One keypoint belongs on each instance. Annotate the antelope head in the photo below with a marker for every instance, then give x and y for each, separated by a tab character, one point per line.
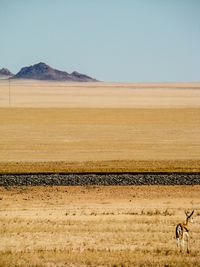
189	217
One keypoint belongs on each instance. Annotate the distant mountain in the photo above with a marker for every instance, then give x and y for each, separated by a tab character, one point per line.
5	72
41	71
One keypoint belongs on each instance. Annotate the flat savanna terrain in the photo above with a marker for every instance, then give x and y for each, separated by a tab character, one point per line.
49	126
97	226
98	127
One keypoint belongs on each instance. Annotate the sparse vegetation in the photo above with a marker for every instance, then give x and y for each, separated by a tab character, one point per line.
99	127
97	226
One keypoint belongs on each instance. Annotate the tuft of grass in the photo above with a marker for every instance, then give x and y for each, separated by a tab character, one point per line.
155	212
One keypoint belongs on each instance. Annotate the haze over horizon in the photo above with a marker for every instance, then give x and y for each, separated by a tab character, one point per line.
122	41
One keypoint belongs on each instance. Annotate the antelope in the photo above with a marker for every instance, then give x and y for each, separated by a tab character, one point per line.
182	232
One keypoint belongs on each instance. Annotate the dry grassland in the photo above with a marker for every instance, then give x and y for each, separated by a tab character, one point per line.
65	139
76	127
97	226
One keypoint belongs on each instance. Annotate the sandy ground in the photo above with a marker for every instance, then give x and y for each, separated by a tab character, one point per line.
97	226
25	93
99	127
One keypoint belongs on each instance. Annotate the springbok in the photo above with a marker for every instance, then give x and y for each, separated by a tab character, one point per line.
182	232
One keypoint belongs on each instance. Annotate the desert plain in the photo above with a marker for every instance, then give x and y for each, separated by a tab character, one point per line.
98	127
59	126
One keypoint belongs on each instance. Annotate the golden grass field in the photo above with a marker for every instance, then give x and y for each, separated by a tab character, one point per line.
61	127
52	126
97	226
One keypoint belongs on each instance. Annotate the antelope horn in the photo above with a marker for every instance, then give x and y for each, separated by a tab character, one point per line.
191	214
186	213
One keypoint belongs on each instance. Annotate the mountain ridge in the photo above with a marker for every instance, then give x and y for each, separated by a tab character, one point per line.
42	71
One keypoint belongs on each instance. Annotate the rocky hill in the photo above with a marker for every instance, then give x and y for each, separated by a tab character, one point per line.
5	72
41	71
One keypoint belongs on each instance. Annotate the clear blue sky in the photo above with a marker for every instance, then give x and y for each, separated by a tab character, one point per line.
112	40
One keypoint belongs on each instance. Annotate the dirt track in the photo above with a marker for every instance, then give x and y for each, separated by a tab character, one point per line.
101	179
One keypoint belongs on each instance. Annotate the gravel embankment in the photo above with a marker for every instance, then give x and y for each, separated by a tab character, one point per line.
100	179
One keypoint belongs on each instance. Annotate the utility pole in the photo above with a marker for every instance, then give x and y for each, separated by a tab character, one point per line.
9	93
